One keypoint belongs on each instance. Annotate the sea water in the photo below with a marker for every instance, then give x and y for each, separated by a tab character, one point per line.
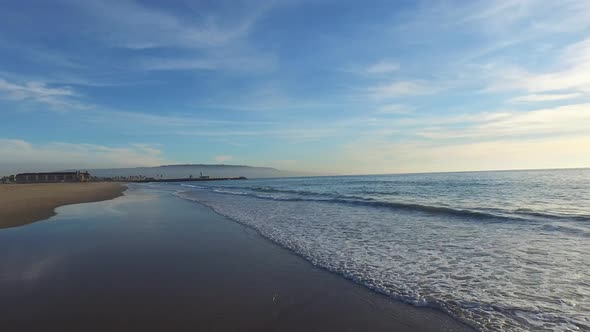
501	251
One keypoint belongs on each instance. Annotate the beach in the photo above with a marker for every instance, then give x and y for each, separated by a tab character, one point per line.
150	261
461	242
21	204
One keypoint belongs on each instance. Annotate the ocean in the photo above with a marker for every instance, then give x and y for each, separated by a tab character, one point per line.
500	251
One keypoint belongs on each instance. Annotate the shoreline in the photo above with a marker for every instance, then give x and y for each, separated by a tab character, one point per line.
22	204
450	322
172	264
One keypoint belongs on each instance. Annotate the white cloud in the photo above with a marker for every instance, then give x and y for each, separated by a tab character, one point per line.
223	158
19	156
570	74
541	138
212	38
394	109
140	26
32	90
523	19
533	98
539	16
390	157
383	67
401	89
563	120
57	98
516	39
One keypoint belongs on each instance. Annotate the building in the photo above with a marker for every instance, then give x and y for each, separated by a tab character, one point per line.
52	177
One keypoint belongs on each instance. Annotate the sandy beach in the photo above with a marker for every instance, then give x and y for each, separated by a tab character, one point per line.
154	262
21	204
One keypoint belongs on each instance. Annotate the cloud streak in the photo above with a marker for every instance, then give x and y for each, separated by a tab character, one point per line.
535	98
382	67
19	156
57	98
143	27
401	89
374	156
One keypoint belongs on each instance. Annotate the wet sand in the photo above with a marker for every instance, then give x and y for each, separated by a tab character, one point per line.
21	204
154	262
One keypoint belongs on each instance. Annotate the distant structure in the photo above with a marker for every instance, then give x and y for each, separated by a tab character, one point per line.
53	177
203	176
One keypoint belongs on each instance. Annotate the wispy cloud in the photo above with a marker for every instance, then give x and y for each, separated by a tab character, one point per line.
562	120
244	72
141	26
57	98
128	37
515	43
20	155
548	137
186	125
215	41
401	89
532	17
383	67
569	74
35	90
382	156
394	109
535	98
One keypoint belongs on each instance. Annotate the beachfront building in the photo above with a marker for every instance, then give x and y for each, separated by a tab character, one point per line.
52	177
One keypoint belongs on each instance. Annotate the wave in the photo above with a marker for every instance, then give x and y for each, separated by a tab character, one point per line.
351	200
401	296
194	186
485	310
578	217
331	197
315	193
302	192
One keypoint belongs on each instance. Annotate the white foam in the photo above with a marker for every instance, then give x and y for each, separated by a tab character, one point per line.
495	276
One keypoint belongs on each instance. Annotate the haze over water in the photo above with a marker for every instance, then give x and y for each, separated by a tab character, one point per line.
498	250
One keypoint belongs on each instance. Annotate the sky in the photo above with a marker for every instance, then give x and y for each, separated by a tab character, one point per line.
335	87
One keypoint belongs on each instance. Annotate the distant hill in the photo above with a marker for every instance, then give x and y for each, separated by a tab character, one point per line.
184	171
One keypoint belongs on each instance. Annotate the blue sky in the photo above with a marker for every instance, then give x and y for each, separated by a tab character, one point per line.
323	86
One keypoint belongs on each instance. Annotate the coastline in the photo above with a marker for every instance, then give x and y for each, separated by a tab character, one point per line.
22	204
155	262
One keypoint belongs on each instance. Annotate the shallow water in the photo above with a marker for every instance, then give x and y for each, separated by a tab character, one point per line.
150	261
498	250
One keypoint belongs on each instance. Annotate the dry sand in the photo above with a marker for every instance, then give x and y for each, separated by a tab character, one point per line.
21	204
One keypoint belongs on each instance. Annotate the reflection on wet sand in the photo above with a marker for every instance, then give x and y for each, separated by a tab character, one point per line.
150	261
